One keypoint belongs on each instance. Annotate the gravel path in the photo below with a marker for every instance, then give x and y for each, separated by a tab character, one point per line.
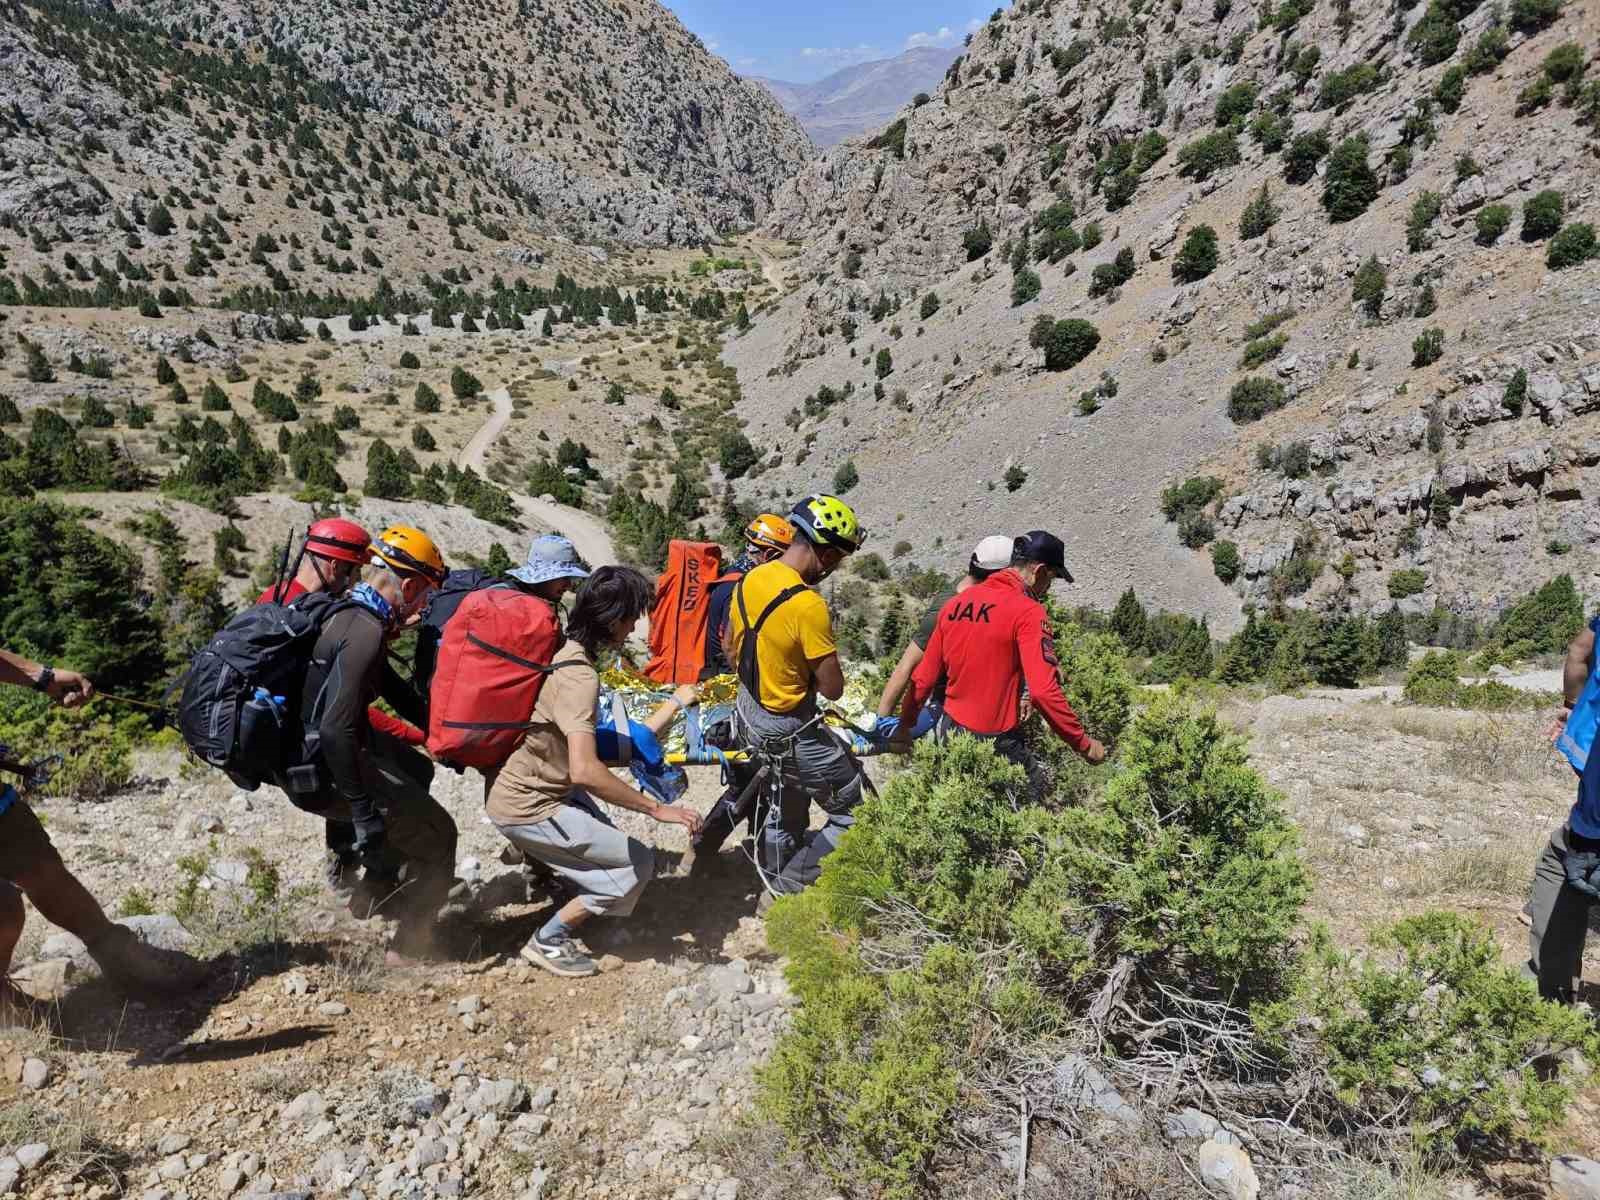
588	533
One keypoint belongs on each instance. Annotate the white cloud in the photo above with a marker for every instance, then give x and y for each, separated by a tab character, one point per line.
713	46
944	36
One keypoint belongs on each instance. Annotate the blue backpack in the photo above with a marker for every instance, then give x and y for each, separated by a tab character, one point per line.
1578	736
624	742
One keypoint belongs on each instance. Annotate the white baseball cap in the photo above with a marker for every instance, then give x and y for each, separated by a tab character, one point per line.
993	553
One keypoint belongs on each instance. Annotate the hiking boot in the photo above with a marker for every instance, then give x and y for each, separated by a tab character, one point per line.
342	872
137	966
559	958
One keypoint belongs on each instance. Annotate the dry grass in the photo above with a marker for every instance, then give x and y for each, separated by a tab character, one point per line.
78	1149
357	967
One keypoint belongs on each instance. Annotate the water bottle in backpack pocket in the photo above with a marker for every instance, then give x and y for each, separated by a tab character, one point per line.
260	745
239	710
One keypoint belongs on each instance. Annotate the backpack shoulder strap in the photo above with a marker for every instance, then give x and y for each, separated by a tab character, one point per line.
749	663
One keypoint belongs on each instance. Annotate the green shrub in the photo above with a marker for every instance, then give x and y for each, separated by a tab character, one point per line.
1235	103
426	400
1206	155
1407	582
1489	52
1260	215
883	365
1515	397
1430	1026
1024	287
892	139
977	241
1091	235
1492	221
1198	257
1451	89
464	385
1424	209
1304	153
735	454
1371	283
1271	130
409	361
1539	93
1195	529
1542	215
1191	495
1546	620
1427	347
930	305
1263	350
1565	63
1065	343
845	477
1530	16
1340	87
1349	184
1225	560
1255	397
1113	274
1573	245
96	748
1436	36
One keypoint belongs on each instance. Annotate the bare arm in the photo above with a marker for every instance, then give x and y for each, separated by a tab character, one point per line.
593	776
658	721
829	676
899	679
1580	659
67	688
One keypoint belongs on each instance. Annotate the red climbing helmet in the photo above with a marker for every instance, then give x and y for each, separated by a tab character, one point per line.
338	539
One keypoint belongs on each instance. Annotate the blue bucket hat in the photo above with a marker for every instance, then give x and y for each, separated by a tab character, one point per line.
551	557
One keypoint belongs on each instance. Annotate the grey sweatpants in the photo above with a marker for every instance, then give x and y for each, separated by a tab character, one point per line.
1559	917
814	766
580	844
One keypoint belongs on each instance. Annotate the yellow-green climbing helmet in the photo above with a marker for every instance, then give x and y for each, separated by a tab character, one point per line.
829	521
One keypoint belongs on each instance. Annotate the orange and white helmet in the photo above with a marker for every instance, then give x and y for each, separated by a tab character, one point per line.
770	532
410	552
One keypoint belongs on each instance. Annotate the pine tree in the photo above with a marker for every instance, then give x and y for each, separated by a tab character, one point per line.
1260	215
498	562
164	373
892	631
1129	622
1393	646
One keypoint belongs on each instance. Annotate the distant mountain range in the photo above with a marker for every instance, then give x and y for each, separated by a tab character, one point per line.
861	98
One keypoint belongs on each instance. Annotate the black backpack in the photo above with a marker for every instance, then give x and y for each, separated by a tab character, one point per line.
240	706
442	605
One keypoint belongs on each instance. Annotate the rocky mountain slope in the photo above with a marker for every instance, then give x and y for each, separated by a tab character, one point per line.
1084	144
861	97
607	122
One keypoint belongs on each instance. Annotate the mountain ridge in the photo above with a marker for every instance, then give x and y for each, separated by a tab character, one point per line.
1060	119
860	97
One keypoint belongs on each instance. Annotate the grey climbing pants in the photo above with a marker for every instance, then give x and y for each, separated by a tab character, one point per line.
1559	917
813	765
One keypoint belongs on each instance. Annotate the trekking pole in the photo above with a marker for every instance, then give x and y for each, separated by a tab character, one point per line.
33	775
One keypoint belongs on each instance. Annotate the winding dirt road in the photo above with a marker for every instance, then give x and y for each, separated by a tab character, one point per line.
588	532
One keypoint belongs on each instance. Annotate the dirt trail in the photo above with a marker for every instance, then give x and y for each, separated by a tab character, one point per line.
588	533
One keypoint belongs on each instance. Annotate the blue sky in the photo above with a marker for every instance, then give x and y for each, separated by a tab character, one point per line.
803	40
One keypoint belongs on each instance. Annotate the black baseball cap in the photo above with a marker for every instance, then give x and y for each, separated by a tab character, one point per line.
1039	546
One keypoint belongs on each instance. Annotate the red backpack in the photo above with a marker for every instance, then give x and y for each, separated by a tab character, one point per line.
678	616
492	661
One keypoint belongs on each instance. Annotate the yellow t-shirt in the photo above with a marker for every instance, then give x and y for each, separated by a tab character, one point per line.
795	636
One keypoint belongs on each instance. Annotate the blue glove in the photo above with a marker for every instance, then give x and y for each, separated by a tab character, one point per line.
886	728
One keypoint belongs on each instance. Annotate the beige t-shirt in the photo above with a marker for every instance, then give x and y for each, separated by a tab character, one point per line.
536	780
